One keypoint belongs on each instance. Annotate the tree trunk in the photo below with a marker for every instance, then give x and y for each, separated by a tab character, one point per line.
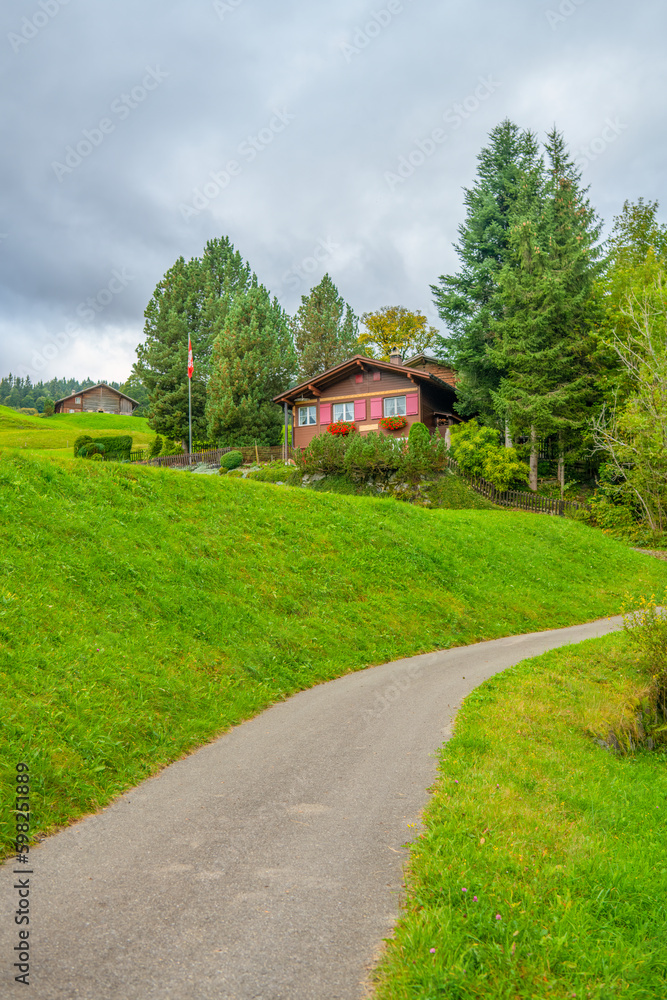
561	464
532	479
508	436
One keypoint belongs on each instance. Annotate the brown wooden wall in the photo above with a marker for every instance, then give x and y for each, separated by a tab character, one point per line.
390	383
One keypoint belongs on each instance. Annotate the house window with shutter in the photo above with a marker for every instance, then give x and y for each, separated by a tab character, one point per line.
307	416
343	411
395	406
377	376
359	378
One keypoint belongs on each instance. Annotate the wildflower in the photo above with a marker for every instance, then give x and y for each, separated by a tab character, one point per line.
474	899
464	889
498	917
432	950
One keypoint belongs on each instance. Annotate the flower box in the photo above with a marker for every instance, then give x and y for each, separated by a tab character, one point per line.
393	423
342	427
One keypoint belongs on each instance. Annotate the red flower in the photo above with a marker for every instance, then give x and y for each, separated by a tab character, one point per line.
342	427
393	423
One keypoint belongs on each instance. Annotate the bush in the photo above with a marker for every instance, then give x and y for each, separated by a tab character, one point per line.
49	408
231	460
419	434
425	453
372	455
324	454
156	446
81	444
275	472
30	411
479	453
503	469
647	627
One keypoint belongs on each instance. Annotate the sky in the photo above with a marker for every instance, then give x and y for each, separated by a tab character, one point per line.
320	138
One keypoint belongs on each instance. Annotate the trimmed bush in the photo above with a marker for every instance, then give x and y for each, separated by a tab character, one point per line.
118	446
81	444
419	434
231	460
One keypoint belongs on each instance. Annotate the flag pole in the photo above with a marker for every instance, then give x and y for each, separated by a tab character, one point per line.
190	370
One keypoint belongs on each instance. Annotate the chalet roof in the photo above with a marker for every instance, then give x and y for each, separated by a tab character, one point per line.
332	375
100	385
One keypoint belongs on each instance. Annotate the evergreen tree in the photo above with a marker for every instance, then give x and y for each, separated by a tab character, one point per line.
190	301
469	301
253	360
325	330
542	338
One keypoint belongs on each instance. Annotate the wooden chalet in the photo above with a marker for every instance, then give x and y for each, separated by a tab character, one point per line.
99	398
364	390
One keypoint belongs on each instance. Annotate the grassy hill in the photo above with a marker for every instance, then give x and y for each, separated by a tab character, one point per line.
57	433
143	611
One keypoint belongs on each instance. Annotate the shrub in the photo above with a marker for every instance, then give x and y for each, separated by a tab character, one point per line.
503	469
81	444
30	411
156	446
372	455
231	460
419	432
324	454
49	407
647	627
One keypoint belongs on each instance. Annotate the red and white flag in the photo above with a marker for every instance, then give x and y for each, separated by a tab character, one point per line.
191	366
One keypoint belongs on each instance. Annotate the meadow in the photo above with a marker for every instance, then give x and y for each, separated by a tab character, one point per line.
541	872
56	434
144	611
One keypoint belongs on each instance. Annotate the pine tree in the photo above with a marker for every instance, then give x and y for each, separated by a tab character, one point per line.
469	301
542	340
253	360
325	330
190	301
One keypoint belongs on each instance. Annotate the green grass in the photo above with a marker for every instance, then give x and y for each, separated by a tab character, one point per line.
542	871
143	611
447	491
57	433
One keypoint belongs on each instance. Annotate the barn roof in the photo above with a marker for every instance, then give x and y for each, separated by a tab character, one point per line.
100	385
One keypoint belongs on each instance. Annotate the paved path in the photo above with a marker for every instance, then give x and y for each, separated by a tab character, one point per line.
267	865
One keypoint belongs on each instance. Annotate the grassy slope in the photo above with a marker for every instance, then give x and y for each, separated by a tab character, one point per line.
542	871
142	611
20	430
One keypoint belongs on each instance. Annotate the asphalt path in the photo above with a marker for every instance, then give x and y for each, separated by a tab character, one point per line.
266	865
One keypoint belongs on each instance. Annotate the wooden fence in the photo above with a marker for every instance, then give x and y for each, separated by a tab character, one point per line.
251	453
517	499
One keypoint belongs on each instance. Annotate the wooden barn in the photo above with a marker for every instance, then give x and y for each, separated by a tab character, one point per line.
97	399
365	391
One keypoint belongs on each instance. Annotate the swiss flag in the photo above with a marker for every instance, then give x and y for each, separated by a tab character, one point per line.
191	366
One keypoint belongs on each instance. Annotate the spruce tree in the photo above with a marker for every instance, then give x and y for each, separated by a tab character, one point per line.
325	330
542	338
469	301
190	301
253	360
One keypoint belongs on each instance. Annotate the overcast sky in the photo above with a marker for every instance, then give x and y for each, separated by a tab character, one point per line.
134	132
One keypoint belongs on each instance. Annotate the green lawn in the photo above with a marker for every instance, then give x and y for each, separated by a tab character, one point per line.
57	433
142	610
542	872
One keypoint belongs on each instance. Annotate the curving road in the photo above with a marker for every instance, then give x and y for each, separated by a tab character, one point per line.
268	864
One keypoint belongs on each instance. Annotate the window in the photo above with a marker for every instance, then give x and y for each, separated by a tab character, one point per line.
343	411
377	376
307	416
78	399
395	406
359	378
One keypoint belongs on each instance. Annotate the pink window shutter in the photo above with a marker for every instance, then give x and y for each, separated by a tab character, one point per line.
325	413
412	404
360	409
376	409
